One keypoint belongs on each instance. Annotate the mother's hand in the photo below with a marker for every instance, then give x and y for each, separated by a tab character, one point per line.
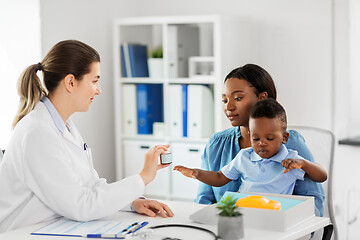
151	208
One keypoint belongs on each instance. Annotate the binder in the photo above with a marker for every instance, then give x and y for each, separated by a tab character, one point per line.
176	110
183	42
149	101
200	111
184	92
129	109
134	60
138	60
125	62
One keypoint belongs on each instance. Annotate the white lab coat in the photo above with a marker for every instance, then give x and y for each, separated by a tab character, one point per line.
46	174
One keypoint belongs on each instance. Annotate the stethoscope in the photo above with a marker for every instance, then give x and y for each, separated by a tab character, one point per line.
147	233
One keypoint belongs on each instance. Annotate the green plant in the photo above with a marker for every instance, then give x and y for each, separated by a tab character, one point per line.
156	52
227	207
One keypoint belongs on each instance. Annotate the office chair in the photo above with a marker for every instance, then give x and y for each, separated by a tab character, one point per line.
321	143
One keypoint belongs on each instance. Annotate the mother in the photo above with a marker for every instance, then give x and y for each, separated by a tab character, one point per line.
243	87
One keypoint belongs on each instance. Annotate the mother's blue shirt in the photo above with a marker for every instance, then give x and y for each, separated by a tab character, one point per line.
222	149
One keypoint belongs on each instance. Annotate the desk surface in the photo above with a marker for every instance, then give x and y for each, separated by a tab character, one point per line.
182	210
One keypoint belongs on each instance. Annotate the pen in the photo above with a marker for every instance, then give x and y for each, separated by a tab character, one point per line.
110	236
127	229
133	227
143	224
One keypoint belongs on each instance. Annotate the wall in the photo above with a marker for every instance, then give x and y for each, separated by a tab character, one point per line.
291	39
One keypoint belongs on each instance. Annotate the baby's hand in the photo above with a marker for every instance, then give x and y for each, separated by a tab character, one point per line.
290	163
188	172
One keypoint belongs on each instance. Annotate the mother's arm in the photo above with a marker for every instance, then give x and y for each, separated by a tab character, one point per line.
205	193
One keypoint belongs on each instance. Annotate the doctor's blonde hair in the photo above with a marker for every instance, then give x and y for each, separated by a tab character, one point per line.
66	57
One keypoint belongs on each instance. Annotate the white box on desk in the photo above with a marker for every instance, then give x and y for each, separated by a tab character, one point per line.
264	219
282	220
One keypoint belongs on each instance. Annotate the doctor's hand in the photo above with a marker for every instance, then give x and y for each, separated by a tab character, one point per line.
151	164
151	208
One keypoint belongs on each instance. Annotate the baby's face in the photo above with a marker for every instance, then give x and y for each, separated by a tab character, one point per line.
267	135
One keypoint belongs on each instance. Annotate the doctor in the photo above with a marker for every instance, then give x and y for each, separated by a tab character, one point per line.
47	170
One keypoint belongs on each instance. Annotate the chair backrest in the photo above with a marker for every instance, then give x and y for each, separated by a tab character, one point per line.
321	143
1	155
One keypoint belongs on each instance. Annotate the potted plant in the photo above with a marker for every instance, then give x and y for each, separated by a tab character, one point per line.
230	223
155	63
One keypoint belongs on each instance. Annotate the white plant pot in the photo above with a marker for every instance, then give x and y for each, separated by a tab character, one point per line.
231	228
156	67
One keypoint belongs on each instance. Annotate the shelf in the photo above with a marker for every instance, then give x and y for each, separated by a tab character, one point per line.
197	80
194	80
164	139
198	53
141	80
143	137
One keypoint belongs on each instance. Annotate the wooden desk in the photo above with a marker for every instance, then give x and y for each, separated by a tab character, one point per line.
182	210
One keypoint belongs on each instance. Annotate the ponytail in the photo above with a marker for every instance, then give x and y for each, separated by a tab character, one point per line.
30	91
65	57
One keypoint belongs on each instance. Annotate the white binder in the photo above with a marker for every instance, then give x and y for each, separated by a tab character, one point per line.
183	42
129	109
200	111
176	121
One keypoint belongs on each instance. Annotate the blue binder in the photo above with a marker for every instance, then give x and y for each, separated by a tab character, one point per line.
149	101
138	60
134	55
184	99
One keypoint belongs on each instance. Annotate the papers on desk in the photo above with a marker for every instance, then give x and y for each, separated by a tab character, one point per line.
66	227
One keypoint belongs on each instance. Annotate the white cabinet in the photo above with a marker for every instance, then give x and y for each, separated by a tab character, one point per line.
188	155
168	184
134	152
198	52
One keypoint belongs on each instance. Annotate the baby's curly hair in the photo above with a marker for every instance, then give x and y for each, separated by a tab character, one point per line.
269	108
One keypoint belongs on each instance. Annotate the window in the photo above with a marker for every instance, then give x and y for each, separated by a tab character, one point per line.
19	48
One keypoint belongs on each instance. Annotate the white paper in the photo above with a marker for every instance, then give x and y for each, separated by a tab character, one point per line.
66	227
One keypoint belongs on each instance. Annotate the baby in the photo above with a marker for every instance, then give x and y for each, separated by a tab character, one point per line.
267	166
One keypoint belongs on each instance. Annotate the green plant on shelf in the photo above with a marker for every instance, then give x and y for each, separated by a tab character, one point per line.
227	207
156	52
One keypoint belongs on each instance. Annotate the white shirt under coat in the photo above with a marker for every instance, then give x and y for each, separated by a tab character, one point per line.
46	173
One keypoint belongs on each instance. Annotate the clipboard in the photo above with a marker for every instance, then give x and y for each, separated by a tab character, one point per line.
70	228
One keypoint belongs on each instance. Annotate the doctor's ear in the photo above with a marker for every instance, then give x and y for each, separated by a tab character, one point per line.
69	82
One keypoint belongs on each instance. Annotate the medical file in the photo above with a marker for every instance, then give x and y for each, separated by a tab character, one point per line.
149	102
134	60
70	228
129	111
200	111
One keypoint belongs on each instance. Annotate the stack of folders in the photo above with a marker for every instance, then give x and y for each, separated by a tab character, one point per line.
142	106
134	60
191	111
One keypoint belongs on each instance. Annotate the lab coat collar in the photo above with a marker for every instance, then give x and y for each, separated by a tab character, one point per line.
59	123
73	136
